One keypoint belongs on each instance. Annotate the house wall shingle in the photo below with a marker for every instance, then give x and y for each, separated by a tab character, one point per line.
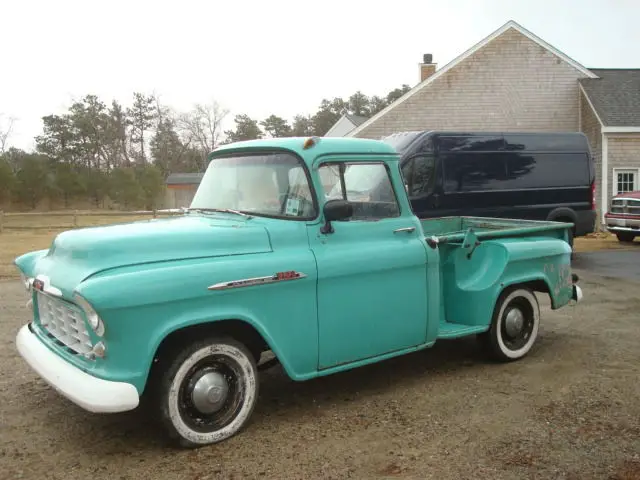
624	152
510	84
592	129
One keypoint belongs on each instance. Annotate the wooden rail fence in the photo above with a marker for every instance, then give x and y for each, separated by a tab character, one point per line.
4	216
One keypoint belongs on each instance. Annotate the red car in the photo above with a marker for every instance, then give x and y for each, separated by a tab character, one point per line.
623	218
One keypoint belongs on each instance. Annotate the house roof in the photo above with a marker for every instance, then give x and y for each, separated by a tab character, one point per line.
615	96
507	26
357	120
184	178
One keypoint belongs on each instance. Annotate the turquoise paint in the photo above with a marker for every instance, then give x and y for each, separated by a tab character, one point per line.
369	293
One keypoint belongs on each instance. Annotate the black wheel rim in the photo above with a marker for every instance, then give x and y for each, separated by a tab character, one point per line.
515	338
210	422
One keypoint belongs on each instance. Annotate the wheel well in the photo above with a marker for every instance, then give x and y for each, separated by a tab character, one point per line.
539	286
237	329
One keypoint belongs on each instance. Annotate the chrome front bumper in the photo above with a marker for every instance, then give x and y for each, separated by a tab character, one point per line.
621	224
89	392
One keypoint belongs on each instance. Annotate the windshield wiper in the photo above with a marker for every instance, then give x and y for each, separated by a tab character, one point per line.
222	210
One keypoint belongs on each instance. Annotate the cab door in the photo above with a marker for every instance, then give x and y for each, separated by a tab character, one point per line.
372	269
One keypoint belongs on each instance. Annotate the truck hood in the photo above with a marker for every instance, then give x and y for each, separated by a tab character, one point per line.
77	254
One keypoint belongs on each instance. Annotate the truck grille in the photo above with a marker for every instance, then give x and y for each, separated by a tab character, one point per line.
64	322
625	206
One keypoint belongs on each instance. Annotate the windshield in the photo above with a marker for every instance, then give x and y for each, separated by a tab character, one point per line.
273	185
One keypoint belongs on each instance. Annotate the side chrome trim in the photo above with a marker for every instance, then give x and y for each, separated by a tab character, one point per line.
247	282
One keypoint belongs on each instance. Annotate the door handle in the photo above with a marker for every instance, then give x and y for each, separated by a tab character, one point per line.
406	229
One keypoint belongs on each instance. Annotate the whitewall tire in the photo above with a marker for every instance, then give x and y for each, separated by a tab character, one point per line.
208	392
514	326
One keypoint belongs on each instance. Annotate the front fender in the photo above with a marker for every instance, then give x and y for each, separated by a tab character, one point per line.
193	319
140	306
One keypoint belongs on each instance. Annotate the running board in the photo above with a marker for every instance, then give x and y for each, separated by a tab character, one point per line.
457	330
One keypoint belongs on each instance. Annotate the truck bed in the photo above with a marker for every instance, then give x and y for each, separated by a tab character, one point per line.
454	229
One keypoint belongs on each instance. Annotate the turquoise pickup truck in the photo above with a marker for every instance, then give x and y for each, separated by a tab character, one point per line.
278	259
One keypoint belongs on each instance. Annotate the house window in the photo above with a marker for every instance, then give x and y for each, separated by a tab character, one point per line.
625	180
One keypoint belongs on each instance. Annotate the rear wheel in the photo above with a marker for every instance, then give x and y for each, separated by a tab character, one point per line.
625	237
208	392
514	326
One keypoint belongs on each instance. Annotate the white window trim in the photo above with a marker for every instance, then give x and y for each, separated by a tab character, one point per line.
614	180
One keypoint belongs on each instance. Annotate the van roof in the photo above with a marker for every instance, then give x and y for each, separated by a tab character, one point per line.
407	142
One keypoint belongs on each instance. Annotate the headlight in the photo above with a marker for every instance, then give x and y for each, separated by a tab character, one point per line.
95	322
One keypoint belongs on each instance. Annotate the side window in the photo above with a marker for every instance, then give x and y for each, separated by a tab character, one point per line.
468	172
539	170
423	177
367	186
407	174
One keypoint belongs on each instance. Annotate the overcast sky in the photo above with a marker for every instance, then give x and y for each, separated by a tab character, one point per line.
263	57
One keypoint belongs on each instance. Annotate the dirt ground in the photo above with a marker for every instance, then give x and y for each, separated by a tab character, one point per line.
569	410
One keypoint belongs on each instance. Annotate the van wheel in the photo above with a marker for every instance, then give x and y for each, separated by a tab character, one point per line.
208	392
514	325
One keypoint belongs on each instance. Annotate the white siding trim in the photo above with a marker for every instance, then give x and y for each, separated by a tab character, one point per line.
579	108
509	25
621	129
595	112
614	180
342	121
604	201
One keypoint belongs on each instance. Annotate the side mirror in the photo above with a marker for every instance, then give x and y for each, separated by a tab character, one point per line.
335	210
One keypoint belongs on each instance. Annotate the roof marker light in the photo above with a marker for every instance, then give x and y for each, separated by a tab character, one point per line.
310	142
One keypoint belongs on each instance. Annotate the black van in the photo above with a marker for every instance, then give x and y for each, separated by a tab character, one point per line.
537	176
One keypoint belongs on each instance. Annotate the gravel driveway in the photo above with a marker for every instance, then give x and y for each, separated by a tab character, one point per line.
571	409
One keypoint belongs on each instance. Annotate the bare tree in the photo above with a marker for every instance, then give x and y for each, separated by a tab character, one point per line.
5	132
201	127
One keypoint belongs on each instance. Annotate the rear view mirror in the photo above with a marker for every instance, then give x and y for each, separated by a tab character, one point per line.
335	210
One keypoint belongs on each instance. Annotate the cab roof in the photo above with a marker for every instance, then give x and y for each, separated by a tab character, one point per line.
319	146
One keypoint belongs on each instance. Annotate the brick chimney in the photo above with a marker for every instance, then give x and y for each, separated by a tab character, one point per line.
427	67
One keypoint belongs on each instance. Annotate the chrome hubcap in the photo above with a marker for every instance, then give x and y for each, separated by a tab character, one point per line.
514	321
210	392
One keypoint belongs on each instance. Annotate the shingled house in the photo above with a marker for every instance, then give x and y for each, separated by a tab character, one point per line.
513	80
345	124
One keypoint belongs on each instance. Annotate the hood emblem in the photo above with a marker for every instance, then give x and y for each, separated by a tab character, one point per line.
247	282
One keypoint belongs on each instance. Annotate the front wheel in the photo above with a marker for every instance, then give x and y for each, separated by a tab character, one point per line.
514	326
208	392
625	237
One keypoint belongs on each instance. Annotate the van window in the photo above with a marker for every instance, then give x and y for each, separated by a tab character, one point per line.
419	174
473	171
542	170
471	143
540	142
